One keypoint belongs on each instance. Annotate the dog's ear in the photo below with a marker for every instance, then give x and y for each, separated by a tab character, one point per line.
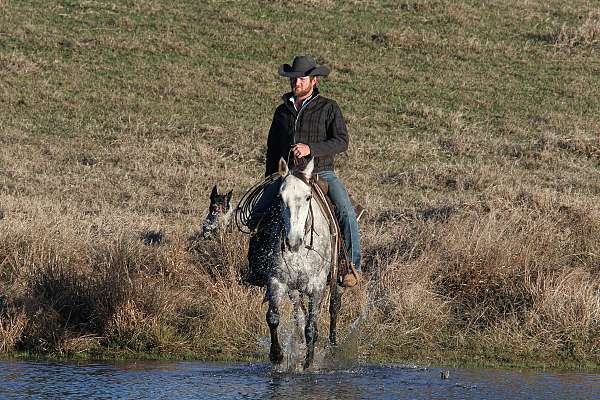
228	196
307	171
213	194
283	167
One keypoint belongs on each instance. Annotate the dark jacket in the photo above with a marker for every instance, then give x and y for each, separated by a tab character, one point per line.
319	124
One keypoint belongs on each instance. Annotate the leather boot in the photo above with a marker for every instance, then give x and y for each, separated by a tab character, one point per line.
352	277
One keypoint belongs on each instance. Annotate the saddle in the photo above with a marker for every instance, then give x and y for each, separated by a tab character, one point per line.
324	186
340	259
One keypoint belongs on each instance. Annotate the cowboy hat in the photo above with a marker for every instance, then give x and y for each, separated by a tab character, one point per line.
303	66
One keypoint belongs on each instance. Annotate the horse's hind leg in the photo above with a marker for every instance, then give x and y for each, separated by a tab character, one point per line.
274	294
311	332
335	302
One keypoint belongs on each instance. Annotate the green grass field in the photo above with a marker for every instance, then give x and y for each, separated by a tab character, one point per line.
475	148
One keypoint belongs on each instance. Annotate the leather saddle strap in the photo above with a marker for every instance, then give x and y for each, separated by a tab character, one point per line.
333	228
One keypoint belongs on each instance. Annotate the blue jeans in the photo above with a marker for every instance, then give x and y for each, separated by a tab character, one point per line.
345	213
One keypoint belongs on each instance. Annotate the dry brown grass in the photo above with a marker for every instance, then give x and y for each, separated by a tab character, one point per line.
12	325
587	34
508	278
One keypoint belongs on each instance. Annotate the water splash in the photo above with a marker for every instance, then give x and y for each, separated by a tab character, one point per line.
291	336
345	356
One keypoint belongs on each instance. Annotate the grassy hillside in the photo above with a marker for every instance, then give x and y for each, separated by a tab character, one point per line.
474	146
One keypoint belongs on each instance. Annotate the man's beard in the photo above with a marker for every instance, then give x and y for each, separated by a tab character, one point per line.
299	93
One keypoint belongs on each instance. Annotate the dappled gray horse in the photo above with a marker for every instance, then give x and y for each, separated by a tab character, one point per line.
296	255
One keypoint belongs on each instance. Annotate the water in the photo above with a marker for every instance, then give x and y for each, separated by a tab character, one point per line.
196	380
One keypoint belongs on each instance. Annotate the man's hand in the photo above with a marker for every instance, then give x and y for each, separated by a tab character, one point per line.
300	150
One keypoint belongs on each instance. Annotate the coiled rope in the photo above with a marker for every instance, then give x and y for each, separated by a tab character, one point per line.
243	211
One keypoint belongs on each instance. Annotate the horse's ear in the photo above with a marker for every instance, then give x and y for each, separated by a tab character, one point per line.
308	170
213	194
283	167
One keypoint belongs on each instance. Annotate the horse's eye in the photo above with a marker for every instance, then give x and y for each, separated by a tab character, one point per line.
308	197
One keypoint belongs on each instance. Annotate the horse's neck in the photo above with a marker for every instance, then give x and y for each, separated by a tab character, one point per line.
319	216
323	205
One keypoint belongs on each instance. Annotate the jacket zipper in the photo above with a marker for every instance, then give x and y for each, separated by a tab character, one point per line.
298	116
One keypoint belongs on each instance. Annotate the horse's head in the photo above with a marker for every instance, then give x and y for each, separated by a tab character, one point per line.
219	213
295	194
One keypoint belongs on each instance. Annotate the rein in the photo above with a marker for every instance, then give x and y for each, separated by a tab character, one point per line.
334	230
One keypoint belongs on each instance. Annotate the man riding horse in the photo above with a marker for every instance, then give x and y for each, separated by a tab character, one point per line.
307	124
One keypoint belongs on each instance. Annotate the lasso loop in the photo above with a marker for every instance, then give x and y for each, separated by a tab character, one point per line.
243	211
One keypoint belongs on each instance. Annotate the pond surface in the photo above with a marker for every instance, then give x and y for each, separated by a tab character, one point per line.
197	380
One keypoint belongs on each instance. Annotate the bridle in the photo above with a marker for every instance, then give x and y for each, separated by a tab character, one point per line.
318	195
309	224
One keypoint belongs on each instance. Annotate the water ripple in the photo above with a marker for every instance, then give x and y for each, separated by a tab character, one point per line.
196	380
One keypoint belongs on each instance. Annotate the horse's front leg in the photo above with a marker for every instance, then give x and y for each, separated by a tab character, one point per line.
335	302
299	313
274	294
311	332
